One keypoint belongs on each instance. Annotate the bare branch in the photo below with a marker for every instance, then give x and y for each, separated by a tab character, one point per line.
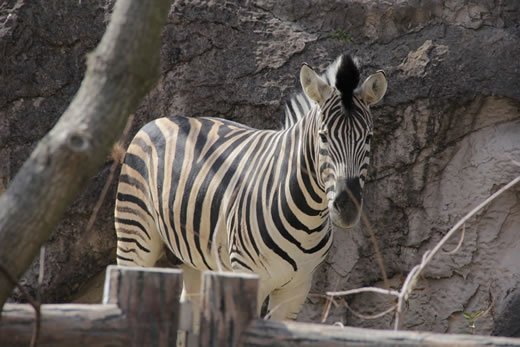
412	277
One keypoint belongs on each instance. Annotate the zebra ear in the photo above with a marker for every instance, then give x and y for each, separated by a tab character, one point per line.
314	87
374	88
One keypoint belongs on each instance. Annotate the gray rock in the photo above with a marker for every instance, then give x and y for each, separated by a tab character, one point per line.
446	134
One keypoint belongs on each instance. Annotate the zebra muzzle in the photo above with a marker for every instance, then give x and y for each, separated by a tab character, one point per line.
346	206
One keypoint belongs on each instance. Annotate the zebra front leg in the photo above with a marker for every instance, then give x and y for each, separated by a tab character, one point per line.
191	292
286	302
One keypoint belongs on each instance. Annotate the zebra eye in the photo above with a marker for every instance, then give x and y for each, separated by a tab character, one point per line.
323	135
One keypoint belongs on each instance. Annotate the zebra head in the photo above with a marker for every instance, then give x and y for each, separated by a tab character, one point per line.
342	135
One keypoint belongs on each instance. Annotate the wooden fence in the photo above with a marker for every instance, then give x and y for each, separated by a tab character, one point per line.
141	308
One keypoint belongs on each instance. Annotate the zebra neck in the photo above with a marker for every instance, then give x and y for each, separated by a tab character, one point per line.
309	152
307	190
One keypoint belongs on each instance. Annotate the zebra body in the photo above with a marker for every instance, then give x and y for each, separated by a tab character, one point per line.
223	196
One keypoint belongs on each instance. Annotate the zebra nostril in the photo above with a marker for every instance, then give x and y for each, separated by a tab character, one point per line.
341	201
348	196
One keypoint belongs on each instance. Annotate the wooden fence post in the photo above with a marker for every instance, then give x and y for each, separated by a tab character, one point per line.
149	297
229	304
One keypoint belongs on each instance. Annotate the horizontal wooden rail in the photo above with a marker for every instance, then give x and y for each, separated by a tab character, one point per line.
64	325
262	333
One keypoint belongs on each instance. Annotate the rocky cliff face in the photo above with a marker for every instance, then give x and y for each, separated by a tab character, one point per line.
446	134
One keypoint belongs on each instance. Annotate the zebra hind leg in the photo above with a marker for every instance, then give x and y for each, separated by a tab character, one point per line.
134	246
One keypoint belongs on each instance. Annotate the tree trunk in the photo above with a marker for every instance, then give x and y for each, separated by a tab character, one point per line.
120	72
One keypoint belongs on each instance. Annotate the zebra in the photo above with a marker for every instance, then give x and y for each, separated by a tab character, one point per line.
223	196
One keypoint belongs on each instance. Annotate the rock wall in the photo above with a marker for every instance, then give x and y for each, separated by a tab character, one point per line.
446	135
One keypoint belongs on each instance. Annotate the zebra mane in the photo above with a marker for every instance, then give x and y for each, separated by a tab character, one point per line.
347	79
342	73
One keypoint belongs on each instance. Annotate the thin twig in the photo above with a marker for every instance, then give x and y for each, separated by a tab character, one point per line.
110	178
34	303
41	273
42	266
323	296
326	310
318	295
374	316
329	301
460	242
379	257
490	306
365	290
372	235
412	277
403	296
